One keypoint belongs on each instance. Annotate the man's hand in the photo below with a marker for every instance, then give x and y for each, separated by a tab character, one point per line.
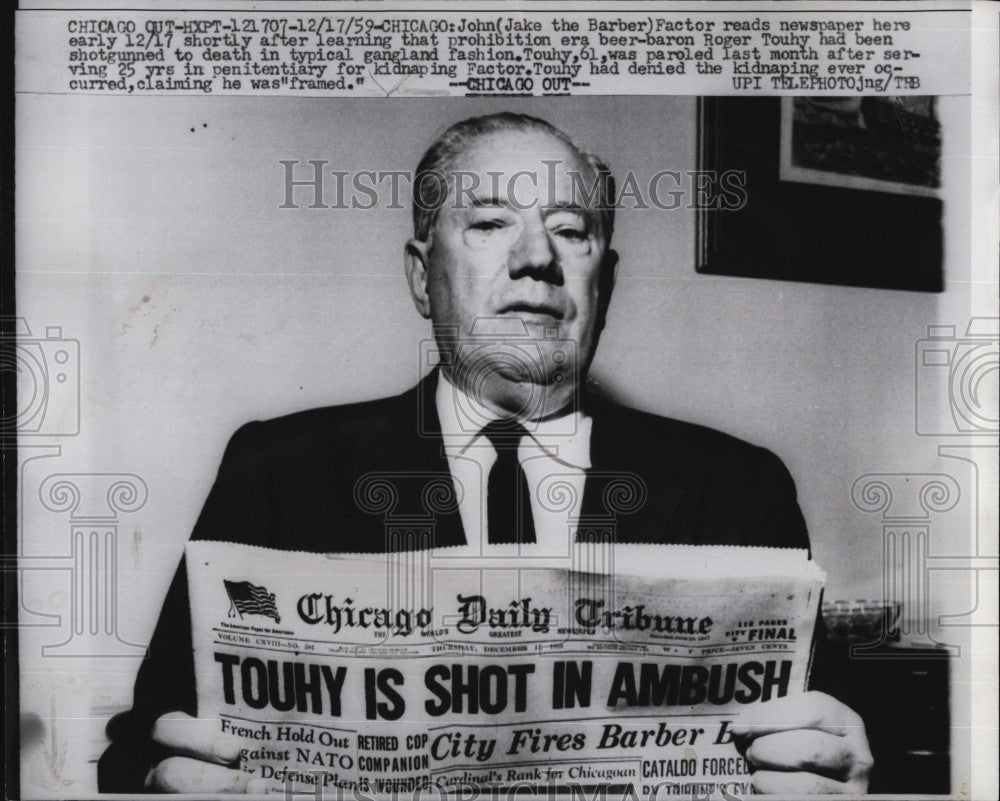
809	743
205	762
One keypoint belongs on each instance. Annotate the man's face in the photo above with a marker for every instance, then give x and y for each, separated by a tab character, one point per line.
516	264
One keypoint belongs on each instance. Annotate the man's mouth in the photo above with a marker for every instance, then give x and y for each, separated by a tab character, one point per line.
531	311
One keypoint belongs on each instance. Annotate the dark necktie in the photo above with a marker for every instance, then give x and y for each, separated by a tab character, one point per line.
508	504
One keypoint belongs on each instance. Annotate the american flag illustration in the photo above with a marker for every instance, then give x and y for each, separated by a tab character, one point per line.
249	599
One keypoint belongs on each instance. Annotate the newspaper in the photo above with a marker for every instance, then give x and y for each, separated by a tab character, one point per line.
359	671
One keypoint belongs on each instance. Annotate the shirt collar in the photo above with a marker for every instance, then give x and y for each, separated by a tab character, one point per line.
565	438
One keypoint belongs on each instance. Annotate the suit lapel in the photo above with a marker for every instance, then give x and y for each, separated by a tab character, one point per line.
634	481
422	430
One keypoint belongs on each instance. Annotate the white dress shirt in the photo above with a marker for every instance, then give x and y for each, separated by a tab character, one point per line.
554	456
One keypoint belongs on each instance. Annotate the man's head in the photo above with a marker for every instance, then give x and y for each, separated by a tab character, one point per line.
511	260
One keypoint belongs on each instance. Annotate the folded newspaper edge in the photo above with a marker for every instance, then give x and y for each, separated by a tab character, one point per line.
674	561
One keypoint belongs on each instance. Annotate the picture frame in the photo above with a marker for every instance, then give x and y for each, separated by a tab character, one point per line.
799	224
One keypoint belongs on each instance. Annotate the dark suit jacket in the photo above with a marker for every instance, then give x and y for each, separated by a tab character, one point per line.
293	483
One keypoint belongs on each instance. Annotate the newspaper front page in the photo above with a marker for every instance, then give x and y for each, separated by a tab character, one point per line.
372	673
214	222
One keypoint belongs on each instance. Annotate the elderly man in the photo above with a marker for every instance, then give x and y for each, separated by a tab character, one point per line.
511	261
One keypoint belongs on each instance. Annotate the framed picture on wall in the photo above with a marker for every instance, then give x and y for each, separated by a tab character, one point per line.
836	190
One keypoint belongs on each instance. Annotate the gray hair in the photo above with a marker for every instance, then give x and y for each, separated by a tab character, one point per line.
430	184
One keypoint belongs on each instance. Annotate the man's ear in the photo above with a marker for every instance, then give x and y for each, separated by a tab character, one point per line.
609	274
415	261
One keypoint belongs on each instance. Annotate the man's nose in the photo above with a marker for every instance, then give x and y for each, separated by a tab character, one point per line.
533	254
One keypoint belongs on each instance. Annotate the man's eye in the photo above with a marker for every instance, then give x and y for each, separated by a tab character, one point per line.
487	225
572	234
